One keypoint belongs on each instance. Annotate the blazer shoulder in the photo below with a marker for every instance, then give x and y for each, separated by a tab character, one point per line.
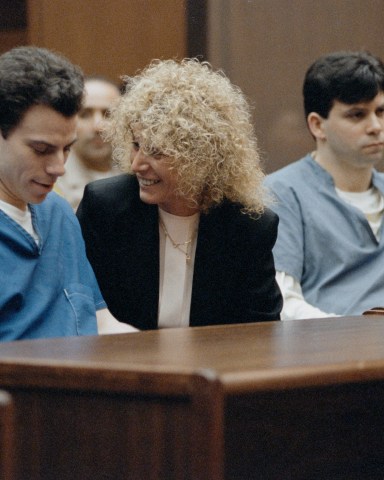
261	230
237	227
113	192
233	212
263	226
269	217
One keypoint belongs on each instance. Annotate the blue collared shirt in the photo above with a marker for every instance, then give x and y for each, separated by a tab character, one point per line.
49	289
324	242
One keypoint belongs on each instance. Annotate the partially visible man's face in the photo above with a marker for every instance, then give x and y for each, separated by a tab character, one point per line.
33	155
355	133
90	147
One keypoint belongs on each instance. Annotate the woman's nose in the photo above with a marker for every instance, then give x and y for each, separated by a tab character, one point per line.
138	160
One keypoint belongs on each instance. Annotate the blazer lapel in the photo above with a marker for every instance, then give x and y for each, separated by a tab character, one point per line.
143	251
209	267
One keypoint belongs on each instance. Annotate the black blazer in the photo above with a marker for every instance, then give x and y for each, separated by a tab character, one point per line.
234	273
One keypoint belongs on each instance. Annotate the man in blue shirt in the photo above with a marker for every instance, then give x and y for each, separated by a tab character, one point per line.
329	253
47	286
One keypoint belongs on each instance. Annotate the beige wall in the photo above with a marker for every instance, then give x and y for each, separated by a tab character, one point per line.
265	46
109	37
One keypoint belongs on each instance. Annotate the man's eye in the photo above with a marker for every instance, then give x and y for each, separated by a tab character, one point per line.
40	150
86	113
356	115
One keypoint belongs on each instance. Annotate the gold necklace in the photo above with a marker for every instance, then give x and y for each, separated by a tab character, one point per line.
186	245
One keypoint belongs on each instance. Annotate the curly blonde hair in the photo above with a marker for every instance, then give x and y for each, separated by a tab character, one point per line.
202	122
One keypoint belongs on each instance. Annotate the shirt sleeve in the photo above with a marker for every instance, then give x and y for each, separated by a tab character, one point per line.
295	307
108	324
288	251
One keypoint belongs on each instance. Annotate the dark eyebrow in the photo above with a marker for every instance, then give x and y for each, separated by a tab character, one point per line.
73	141
50	145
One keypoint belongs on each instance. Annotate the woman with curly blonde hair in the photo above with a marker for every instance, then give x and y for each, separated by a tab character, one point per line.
183	237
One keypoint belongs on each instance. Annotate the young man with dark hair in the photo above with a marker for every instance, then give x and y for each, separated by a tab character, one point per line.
329	253
47	286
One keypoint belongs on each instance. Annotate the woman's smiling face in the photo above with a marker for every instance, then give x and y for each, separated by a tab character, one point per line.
158	182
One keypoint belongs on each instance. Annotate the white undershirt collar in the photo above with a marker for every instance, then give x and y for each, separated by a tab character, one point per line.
22	217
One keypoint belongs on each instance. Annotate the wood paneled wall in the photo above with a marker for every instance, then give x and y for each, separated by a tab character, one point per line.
12	38
13	24
109	37
266	46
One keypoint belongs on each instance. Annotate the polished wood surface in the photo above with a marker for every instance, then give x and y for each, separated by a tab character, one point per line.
278	400
7	447
270	355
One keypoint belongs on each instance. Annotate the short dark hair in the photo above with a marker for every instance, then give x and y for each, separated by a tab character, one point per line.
37	76
349	77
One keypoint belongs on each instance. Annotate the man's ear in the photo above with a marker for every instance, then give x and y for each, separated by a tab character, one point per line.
316	125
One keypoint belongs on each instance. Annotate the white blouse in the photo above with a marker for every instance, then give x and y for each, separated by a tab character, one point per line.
176	271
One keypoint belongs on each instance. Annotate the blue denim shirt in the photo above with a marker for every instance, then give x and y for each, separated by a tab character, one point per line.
46	290
324	242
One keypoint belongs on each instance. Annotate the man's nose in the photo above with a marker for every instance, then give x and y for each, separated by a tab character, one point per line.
98	120
56	164
376	124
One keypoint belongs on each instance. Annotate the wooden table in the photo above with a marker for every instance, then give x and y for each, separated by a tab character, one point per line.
279	400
